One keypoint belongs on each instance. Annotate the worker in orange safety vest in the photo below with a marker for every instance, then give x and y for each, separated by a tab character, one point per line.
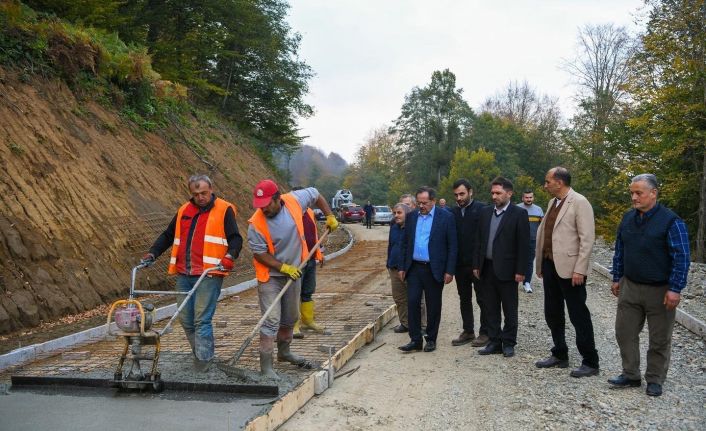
202	235
277	240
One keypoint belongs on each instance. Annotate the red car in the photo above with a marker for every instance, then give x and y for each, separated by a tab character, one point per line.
351	213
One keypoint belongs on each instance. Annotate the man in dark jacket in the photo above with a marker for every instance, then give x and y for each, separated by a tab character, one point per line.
369	214
429	248
500	262
394	262
466	214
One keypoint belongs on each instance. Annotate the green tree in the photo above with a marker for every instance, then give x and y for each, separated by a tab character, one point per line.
240	56
433	122
669	86
327	186
504	139
478	167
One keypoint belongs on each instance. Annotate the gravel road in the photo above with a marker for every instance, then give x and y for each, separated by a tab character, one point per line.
454	388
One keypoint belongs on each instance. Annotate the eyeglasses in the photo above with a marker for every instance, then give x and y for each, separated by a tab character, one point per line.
423	204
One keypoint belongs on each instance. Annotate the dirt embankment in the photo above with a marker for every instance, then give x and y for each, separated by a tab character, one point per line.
83	193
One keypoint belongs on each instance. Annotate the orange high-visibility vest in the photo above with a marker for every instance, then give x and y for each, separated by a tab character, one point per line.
215	243
317	255
259	222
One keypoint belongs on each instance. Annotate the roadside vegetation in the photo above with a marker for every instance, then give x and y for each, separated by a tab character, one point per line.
640	107
233	60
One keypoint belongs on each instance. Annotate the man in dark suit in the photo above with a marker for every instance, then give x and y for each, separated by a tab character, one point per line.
429	247
466	214
500	263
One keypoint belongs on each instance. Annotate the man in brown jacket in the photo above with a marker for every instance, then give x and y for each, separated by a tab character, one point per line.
564	243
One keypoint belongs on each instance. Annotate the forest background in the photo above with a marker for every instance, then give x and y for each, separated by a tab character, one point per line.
640	100
640	107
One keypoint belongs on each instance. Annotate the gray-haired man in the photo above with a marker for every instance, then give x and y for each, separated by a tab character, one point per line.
650	268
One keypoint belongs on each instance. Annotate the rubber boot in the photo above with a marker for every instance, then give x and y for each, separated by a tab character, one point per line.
308	322
266	349
284	340
285	355
297	330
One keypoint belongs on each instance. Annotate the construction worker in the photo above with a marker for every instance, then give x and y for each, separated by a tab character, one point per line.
306	316
206	235
277	240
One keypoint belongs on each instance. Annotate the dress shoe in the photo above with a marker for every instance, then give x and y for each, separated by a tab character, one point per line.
623	382
430	346
493	348
411	347
508	351
480	341
464	338
552	361
584	371
400	329
654	389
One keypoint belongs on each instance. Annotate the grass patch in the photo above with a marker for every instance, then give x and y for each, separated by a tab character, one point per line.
15	148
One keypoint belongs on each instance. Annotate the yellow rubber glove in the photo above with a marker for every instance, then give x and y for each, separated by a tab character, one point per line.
331	222
292	271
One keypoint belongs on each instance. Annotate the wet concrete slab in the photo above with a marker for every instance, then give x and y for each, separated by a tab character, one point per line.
351	293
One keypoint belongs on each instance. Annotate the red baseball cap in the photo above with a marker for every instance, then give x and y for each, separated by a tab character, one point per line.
263	192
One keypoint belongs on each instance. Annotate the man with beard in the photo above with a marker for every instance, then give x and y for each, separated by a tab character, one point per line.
500	263
466	214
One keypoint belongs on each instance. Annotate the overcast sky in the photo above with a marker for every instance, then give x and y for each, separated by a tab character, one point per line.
368	54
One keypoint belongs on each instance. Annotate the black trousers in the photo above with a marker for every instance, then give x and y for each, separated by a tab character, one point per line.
368	221
421	281
466	283
499	295
558	291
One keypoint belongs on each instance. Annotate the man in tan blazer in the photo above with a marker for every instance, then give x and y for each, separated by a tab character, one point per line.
564	243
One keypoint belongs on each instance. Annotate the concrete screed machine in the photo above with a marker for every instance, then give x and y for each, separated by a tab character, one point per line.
134	321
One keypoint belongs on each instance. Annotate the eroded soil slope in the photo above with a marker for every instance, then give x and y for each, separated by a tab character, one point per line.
83	193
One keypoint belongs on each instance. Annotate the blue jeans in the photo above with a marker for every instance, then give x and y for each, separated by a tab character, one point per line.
308	280
196	316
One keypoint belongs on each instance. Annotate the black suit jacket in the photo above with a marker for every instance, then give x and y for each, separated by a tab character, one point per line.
511	244
443	246
467	231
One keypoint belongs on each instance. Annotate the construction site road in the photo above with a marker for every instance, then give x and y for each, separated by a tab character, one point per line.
352	293
454	388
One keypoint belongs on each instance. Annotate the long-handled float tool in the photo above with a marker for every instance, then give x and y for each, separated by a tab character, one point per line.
229	367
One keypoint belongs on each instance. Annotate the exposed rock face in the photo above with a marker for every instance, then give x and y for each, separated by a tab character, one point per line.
83	194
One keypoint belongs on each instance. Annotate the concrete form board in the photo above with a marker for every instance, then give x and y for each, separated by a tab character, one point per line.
685	319
289	404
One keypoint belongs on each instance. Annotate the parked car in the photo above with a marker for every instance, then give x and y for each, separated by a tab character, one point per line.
351	213
318	214
383	215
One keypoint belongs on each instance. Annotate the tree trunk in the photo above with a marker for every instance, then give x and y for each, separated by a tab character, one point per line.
700	252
